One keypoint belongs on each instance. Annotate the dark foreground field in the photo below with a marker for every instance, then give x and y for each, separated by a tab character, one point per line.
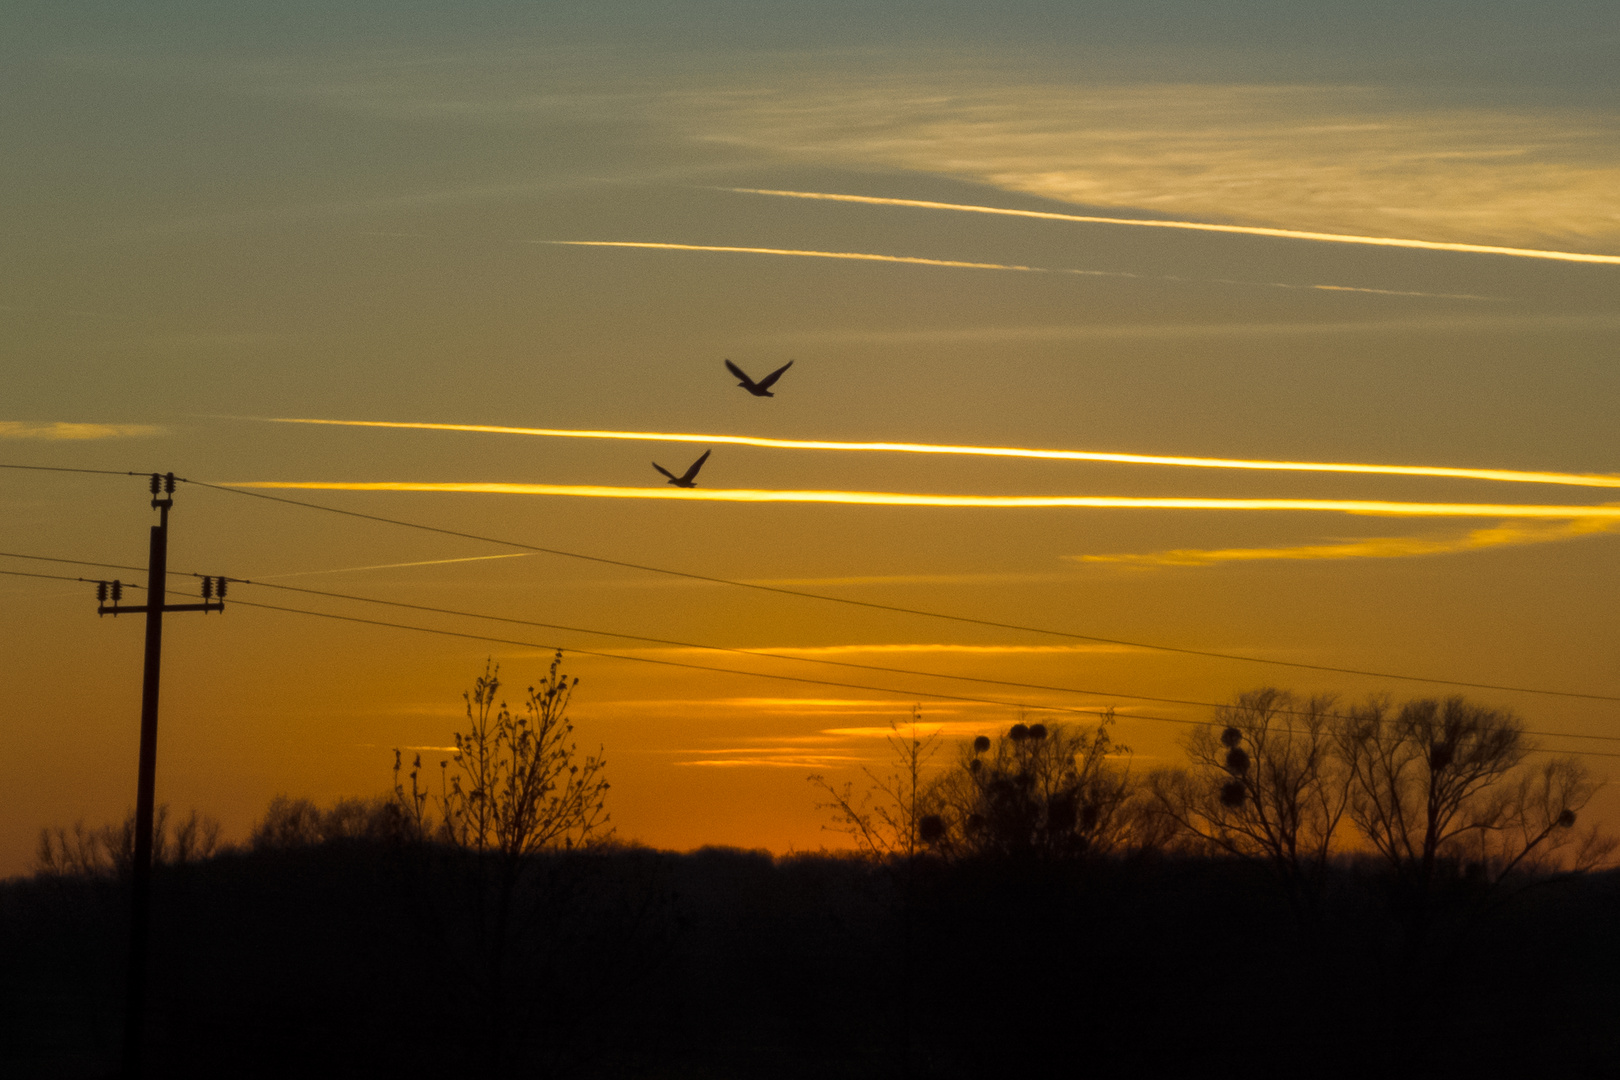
355	960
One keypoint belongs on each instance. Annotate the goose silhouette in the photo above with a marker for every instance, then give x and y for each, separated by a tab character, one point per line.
761	388
689	477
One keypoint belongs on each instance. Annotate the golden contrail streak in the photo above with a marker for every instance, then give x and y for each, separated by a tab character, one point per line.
1600	480
1198	226
866	257
390	566
885	498
790	251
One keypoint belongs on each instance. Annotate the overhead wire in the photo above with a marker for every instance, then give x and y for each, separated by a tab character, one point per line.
1101	713
853	602
898	609
718	648
63	468
872	605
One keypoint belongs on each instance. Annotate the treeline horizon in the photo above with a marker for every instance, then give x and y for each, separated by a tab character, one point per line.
1286	780
356	956
1405	884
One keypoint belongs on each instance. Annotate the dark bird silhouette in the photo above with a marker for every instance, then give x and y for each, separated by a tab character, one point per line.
689	477
761	388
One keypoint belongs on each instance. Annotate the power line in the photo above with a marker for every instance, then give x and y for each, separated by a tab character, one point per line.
76	562
747	674
804	659
53	577
704	667
739	651
63	468
780	678
895	608
905	610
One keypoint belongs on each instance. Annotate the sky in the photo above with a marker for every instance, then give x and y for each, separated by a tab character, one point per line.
1181	245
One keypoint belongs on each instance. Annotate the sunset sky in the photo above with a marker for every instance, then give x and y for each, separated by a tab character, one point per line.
1316	312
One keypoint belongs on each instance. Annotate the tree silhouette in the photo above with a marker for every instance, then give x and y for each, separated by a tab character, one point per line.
1431	791
519	784
109	851
896	816
1046	792
516	789
1270	785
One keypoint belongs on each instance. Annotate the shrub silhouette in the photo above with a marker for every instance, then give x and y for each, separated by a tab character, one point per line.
1045	792
109	851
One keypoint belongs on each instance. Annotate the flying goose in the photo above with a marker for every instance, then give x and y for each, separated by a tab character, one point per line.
761	388
689	477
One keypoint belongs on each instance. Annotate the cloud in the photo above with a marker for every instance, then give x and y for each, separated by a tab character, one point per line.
1606	512
62	431
866	257
391	566
787	761
1300	159
946	728
1195	226
1477	324
917	649
856	255
1507	475
1376	547
1354	160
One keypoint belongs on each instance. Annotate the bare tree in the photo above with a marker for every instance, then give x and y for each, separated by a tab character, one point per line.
1269	786
892	822
895	816
1425	778
519	784
1048	792
1432	790
110	849
1537	834
517	787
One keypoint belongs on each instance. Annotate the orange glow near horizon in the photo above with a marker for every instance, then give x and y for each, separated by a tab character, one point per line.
1516	476
885	498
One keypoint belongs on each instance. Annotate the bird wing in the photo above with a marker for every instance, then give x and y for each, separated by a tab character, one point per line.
696	465
739	372
765	383
663	470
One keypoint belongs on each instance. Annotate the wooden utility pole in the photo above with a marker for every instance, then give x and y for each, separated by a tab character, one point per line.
157	576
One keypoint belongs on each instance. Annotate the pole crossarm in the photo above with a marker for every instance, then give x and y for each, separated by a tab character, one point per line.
108	609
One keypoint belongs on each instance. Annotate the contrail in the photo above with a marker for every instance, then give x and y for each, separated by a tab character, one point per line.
885	498
1600	480
1197	226
1376	547
390	566
866	257
790	251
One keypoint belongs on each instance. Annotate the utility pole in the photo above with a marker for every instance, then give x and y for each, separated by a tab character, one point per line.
157	576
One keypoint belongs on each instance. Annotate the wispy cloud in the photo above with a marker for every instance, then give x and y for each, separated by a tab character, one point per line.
391	566
1607	512
1375	547
917	579
909	649
1470	324
855	255
1301	159
866	257
953	649
62	431
1196	226
1507	475
757	760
